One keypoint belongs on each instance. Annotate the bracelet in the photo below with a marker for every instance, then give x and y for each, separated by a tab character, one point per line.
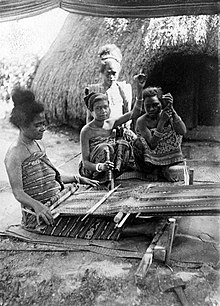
139	100
97	167
158	134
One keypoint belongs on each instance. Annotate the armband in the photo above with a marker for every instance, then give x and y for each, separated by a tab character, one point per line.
97	167
158	134
139	100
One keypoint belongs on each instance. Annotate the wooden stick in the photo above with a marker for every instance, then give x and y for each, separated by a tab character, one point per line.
146	261
186	173
172	225
72	189
55	215
53	207
110	172
100	202
123	220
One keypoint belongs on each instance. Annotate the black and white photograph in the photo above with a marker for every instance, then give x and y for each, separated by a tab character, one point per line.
110	153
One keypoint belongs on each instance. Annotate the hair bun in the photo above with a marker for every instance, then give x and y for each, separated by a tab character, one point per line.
21	96
87	98
110	51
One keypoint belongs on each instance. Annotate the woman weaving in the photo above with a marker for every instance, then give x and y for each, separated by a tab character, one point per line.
34	180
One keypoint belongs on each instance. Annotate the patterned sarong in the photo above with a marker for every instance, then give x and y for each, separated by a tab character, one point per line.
167	152
104	148
42	181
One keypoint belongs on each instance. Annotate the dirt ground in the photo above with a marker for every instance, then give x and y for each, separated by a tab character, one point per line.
33	274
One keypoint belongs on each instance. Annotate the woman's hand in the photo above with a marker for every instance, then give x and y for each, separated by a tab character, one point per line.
108	165
166	114
140	80
167	100
44	213
87	181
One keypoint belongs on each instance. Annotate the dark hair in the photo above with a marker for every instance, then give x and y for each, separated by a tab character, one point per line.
152	91
93	97
25	107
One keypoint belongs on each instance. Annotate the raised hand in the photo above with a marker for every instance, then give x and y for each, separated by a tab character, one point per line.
140	79
167	100
166	114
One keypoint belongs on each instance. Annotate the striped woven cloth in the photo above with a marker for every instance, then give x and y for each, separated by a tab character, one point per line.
41	180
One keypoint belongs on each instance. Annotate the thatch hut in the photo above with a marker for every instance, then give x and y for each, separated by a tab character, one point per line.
178	53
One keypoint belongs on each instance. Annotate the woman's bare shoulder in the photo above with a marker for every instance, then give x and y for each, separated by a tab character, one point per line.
142	119
15	153
86	131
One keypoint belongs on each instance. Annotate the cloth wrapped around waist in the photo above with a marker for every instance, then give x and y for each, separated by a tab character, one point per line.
167	152
119	151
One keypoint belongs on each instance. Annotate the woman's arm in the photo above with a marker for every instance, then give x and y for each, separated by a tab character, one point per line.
134	114
145	132
69	178
178	124
14	171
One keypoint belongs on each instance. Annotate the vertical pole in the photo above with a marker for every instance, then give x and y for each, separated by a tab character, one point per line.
191	176
110	173
172	226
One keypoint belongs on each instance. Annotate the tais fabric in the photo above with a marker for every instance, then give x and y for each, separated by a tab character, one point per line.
167	152
93	227
42	181
40	178
119	151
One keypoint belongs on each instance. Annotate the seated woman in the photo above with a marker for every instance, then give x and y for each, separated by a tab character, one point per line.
33	178
160	131
101	151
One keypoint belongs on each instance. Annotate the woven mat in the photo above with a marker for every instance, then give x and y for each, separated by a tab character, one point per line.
127	248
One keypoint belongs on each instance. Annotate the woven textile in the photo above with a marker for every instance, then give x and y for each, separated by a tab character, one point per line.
119	151
90	228
40	179
167	152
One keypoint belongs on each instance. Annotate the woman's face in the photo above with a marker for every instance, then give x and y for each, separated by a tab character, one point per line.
111	72
152	106
101	110
36	128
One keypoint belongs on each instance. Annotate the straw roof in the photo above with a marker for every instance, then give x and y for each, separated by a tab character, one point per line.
72	61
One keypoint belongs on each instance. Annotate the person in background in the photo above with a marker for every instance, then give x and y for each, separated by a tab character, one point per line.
119	93
33	178
160	130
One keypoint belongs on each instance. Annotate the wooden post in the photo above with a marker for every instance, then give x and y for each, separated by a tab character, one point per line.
172	227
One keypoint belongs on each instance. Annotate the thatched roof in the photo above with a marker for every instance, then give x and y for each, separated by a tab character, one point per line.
72	62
